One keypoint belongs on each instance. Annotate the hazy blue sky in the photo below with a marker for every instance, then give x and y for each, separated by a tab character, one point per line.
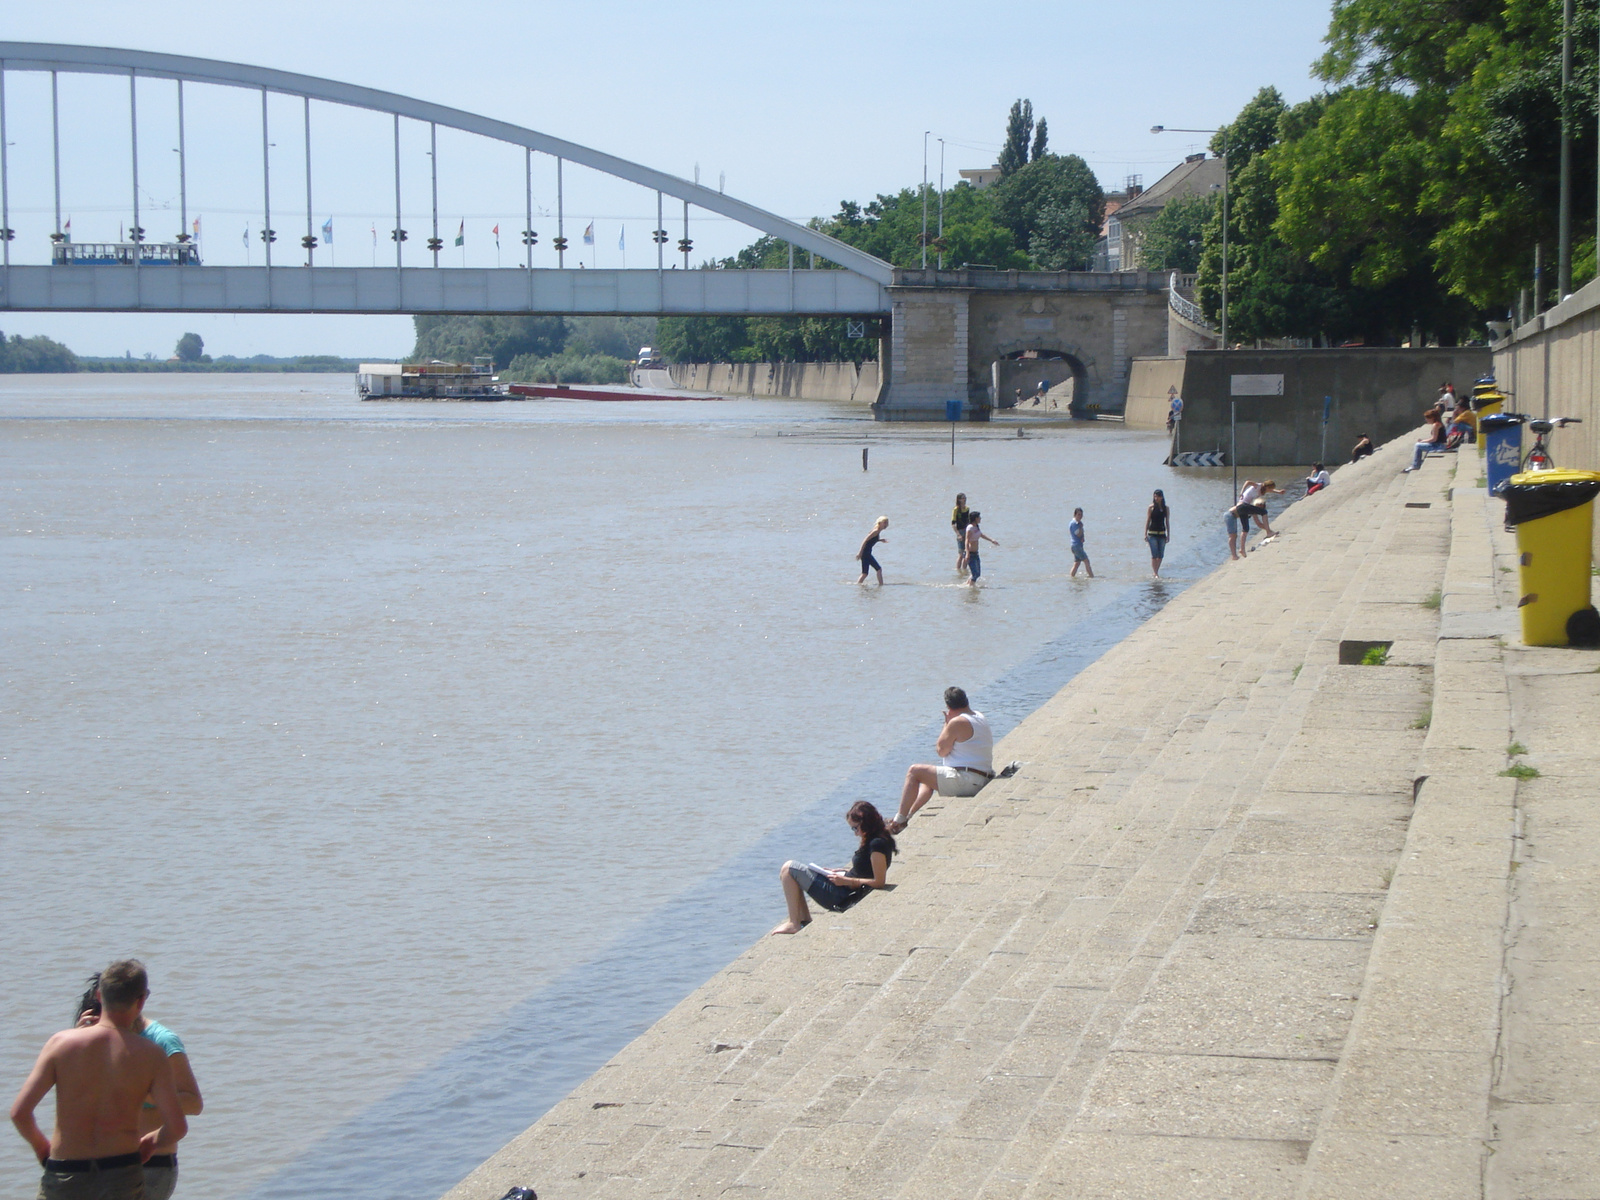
798	105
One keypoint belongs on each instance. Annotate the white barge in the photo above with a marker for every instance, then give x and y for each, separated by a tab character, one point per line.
432	380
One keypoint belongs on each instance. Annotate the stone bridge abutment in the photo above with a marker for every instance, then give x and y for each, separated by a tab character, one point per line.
949	329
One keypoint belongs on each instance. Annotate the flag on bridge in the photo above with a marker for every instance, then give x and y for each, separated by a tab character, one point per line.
67	229
327	231
197	227
497	237
588	235
245	237
622	239
461	234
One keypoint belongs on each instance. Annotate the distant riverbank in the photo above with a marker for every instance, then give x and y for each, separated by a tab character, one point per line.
300	365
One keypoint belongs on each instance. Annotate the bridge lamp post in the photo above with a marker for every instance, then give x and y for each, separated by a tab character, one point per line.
1233	457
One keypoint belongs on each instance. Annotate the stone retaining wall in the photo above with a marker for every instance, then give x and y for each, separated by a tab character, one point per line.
789	381
1548	368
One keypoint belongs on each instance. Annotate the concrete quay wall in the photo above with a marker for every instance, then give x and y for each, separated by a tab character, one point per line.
1550	366
1373	390
1239	927
1149	400
790	381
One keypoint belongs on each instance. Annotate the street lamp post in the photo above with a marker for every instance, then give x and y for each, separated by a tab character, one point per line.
925	134
1233	440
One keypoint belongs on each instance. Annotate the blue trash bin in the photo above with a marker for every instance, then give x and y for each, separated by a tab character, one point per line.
1502	447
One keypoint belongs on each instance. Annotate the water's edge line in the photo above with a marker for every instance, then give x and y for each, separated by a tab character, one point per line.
557	1037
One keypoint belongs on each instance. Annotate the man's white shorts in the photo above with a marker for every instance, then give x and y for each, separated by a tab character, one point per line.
953	781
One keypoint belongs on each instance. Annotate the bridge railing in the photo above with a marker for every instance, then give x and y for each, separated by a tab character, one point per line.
1183	306
992	279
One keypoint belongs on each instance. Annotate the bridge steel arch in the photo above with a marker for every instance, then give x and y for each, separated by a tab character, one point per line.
100	60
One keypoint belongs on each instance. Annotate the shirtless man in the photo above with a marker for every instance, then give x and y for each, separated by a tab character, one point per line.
101	1075
966	751
161	1168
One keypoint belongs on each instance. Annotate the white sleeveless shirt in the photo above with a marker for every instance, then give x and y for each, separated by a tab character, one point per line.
977	750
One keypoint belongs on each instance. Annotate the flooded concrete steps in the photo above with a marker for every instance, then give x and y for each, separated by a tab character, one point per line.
1128	969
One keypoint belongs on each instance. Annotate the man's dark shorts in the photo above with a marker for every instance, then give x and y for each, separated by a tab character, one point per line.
117	1183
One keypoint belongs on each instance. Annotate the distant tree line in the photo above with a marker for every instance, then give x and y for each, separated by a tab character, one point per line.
539	349
41	355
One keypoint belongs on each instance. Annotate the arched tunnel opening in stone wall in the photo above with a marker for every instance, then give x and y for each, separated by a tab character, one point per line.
1037	380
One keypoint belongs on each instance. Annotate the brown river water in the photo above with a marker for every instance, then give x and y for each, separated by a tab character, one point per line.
428	753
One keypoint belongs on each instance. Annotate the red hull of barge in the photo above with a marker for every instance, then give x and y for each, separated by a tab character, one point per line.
563	391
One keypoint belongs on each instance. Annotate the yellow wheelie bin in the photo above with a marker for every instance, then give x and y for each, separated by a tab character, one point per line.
1553	513
1486	397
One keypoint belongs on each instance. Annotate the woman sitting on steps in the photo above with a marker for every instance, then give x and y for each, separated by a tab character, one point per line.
838	890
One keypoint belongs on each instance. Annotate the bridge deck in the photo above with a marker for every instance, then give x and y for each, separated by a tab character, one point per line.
298	289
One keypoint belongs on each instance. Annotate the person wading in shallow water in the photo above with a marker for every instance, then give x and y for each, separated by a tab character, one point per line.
974	559
959	516
1157	530
101	1075
865	553
1080	556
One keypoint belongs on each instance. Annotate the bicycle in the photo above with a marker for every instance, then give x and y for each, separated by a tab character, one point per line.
1538	456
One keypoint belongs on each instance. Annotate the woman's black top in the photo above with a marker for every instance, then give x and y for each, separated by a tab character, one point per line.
866	547
1155	523
861	864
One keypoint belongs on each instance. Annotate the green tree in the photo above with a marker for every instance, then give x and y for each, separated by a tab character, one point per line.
1171	240
190	348
460	339
35	356
1019	128
704	339
890	228
1054	206
1041	141
1474	87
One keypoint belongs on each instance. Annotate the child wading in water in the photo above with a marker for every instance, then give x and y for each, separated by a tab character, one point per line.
1080	556
865	553
974	560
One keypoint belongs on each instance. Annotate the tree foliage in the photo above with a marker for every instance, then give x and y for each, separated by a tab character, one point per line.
191	348
35	355
1436	153
1019	129
1041	140
1171	240
461	339
1054	207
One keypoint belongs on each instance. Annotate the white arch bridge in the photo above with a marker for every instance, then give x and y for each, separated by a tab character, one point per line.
138	279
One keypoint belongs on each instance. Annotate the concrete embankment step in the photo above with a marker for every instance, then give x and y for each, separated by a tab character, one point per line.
1135	969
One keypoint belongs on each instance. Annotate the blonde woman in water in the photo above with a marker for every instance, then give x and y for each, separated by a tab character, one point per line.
865	553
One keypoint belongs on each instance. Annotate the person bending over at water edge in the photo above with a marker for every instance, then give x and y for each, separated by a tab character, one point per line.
838	890
865	553
1157	529
101	1076
161	1168
966	752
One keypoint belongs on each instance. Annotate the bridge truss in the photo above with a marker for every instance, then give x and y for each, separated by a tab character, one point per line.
858	289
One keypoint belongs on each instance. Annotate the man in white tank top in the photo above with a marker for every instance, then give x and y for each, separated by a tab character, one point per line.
966	748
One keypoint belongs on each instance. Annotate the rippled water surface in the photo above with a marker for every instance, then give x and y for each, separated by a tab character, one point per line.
426	753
